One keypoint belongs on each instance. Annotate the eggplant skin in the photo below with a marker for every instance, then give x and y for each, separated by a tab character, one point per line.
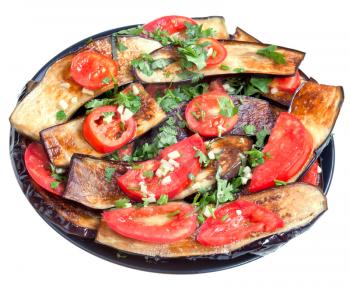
56	91
87	184
297	204
228	148
64	140
318	106
241	55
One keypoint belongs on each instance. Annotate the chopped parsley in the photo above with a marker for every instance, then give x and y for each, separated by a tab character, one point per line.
260	138
109	172
147	65
191	176
249	129
61	115
54	185
174	213
203	159
163	199
258	85
224	67
135	31
225	217
106	80
121	47
238	70
280	183
122	203
225	191
227	108
270	52
255	157
148	174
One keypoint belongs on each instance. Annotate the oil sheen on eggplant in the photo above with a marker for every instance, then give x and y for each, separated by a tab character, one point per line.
87	184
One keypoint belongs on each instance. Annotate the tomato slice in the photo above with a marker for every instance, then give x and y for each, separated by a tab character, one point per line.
104	135
312	176
288	84
144	180
38	167
155	224
171	24
216	86
89	69
203	115
236	221
216	51
289	147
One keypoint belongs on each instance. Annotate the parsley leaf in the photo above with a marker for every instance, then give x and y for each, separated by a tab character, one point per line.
227	108
225	191
224	67
121	47
238	70
129	100
148	174
61	115
269	52
143	63
135	31
280	183
163	199
260	138
54	185
249	129
203	159
194	31
122	203
106	80
258	85
109	172
160	63
255	157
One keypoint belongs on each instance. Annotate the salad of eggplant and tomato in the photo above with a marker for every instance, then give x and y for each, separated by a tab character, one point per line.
177	139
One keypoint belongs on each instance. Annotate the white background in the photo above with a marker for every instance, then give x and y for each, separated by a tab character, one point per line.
32	32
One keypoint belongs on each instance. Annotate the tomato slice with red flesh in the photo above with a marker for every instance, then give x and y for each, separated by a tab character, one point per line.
216	86
38	167
154	224
105	131
312	176
91	69
203	114
153	178
171	24
288	84
289	147
236	221
216	51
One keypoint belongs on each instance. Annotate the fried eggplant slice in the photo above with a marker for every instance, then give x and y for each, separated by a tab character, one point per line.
297	204
227	150
63	140
217	23
88	185
318	106
279	96
240	55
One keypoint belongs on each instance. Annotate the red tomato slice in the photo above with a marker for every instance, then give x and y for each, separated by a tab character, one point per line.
312	176
290	146
38	167
236	221
142	181
288	84
171	24
89	69
155	224
203	115
217	53
107	136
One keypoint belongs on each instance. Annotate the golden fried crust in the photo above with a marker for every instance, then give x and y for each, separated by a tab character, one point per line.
297	204
318	106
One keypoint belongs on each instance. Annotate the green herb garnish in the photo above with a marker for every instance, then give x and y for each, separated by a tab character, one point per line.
163	199
148	174
121	203
54	184
109	172
61	115
280	183
270	52
227	108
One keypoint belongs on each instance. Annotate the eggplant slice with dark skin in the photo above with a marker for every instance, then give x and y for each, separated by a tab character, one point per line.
318	106
88	185
240	55
282	97
228	150
297	204
64	140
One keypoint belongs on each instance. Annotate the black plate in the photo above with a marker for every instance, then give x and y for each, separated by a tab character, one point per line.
177	265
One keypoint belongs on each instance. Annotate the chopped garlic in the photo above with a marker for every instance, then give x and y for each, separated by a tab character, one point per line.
65	84
244	180
63	104
274	90
120	109
208	211
226	86
238	212
151	198
166	180
127	114
143	187
127	205
211	155
174	163
210	52
135	90
174	155
74	100
319	170
87	91
220	129
166	165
